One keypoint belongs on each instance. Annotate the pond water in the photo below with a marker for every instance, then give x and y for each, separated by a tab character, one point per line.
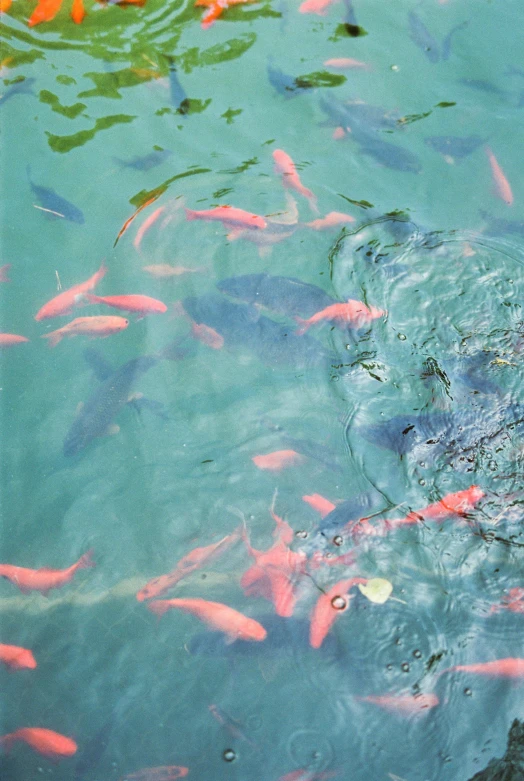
404	119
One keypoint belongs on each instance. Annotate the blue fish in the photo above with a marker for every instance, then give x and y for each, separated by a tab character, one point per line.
357	116
283	83
389	155
20	88
498	226
422	38
283	295
145	162
179	97
54	204
455	146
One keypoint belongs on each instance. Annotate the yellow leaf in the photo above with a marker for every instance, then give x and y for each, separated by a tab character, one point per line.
377	590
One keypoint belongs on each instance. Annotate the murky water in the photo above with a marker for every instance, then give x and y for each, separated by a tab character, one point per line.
418	143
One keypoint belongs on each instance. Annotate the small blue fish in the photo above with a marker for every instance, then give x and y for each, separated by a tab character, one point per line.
455	146
145	162
179	98
283	83
390	155
421	37
54	204
20	88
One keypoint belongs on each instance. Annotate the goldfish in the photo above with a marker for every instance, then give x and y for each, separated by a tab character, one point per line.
142	305
278	460
87	326
230	216
78	11
219	617
346	62
44	741
502	186
514	602
331	220
164	773
327	608
163	270
353	314
232	725
4	273
216	8
45	11
405	704
503	668
208	336
44	579
148	222
283	530
189	563
458	503
321	505
315	7
8	340
17	658
63	303
290	179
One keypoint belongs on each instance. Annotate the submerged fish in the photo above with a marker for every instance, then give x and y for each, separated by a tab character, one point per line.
44	579
497	226
389	155
356	116
145	162
422	38
283	83
455	146
17	658
179	97
220	617
54	204
283	295
20	88
44	741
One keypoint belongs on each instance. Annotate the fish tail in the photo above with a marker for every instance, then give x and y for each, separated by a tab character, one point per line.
90	298
86	561
303	326
7	741
54	337
191	214
102	271
158	608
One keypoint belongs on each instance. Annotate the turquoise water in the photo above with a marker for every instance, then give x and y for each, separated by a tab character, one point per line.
446	264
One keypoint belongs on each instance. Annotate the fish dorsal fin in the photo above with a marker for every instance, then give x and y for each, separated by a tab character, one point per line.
98	365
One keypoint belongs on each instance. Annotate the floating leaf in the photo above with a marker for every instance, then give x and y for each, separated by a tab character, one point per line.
377	590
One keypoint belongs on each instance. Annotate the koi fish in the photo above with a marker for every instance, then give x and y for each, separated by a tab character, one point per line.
280	459
229	215
4	273
331	220
328	607
216	9
514	602
502	186
283	530
17	658
145	162
44	579
404	704
208	336
164	270
153	217
52	203
232	725
164	773
20	88
88	326
141	305
219	617
315	7
290	179
499	668
63	303
346	62
188	564
320	504
45	11
44	741
283	295
8	340
78	11
353	314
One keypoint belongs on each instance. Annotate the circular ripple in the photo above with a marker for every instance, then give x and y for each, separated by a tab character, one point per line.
310	750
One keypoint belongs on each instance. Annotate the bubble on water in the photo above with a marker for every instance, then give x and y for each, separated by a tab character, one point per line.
422	481
404	667
389	667
337	540
417	654
229	755
402	337
395	68
301	534
468	692
339	603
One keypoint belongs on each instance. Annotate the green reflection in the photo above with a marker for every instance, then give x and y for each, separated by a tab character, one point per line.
66	143
66	111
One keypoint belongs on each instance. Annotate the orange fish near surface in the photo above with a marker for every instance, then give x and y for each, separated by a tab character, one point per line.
8	340
44	579
216	9
63	303
458	503
88	326
403	704
280	459
328	607
499	668
331	220
320	504
502	186
164	773
219	617
153	217
138	304
353	314
229	215
346	62
17	658
514	602
290	179
44	741
315	7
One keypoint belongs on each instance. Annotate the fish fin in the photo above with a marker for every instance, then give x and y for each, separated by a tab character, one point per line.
86	561
303	326
230	639
235	234
98	365
54	338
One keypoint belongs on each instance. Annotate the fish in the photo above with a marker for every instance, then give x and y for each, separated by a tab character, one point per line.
290	179
498	668
332	523
422	38
164	270
216	9
357	115
44	741
483	86
187	564
178	95
44	579
229	215
502	186
219	617
87	326
53	204
135	214
93	750
63	303
96	416
344	63
497	226
4	273
9	340
331	220
208	336
146	162
148	222
446	43
308	775
232	725
389	155
513	601
454	147
17	658
352	314
162	773
280	459
77	11
138	304
315	7
320	504
287	296
327	608
283	83
23	87
403	704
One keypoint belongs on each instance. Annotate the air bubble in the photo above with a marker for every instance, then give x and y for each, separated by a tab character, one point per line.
404	667
337	540
339	603
417	654
302	534
422	481
468	692
229	755
402	337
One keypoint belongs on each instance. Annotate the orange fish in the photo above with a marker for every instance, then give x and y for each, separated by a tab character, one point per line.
321	505
328	607
229	215
280	459
514	602
163	270
499	668
284	165
63	303
164	773
78	11
219	617
4	273
207	335
189	563
17	658
346	62
405	704
315	7
45	741
331	220
308	775
45	11
283	530
153	217
88	326
44	579
216	9
353	314
458	503
135	214
502	186
8	340
141	305
338	133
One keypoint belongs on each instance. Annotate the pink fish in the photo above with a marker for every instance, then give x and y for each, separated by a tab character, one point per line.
331	220
315	7
502	186
403	704
290	179
139	304
499	668
63	303
8	340
4	273
343	63
44	579
219	617
280	459
352	314
44	741
328	607
318	503
148	222
230	216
